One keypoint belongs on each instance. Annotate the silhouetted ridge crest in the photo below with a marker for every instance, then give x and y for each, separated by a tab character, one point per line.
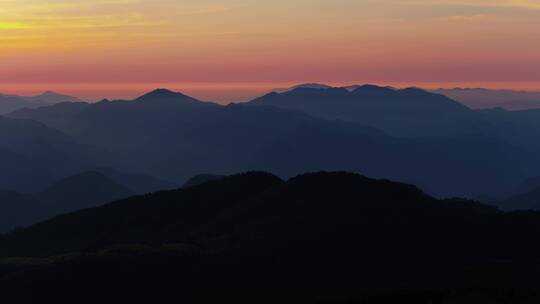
359	182
369	89
165	95
318	91
90	179
252	202
97	187
85	190
202	179
413	91
176	100
161	93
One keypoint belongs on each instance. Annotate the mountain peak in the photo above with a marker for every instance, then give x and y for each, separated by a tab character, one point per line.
162	91
164	95
84	182
202	179
330	91
49	93
303	86
373	89
50	98
416	91
167	98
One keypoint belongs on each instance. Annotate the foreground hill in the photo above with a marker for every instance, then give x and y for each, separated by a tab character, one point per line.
256	238
88	189
173	137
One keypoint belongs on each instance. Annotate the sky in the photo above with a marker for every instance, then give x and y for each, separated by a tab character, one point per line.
231	50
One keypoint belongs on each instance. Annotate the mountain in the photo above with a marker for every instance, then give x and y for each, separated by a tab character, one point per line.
514	119
174	137
136	182
478	98
444	166
529	200
303	86
50	98
34	154
164	97
201	179
407	112
524	196
10	103
80	191
320	237
527	185
323	86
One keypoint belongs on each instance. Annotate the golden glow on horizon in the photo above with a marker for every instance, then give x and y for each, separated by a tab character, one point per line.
282	41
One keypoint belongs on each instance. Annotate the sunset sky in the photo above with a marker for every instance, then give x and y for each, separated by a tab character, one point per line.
232	49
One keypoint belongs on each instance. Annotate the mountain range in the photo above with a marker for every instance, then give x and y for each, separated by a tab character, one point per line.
407	135
34	154
474	98
321	237
478	98
86	225
407	112
80	191
174	137
10	103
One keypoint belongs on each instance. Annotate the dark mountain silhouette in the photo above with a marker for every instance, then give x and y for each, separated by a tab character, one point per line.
408	112
137	183
88	189
324	237
529	200
174	137
325	86
164	97
527	185
414	112
521	118
34	154
10	103
525	196
50	98
304	86
468	165
519	128
478	98
201	179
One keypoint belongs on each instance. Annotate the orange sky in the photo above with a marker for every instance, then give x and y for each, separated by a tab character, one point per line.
232	49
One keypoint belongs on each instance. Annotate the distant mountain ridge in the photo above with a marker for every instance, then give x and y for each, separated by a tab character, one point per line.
84	190
479	98
10	103
325	86
200	179
35	154
529	200
173	136
474	98
400	112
